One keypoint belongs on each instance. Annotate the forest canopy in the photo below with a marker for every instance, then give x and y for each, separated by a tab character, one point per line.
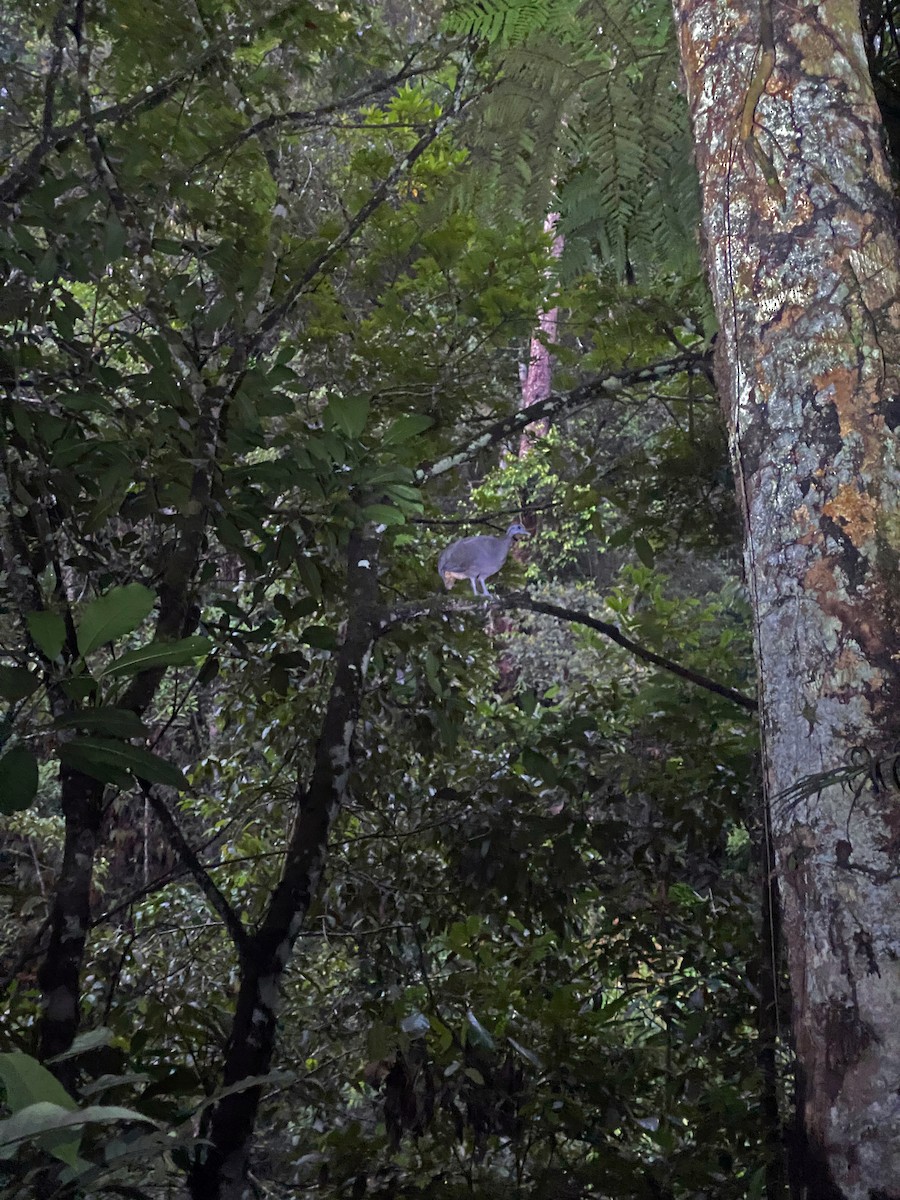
319	879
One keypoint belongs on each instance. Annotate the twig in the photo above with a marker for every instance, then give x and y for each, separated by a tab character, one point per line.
185	852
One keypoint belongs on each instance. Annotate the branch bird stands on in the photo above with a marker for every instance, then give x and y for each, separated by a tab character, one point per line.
477	558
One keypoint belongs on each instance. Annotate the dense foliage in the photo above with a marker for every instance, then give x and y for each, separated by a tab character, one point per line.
269	271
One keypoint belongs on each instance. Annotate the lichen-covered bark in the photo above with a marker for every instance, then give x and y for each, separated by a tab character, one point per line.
801	242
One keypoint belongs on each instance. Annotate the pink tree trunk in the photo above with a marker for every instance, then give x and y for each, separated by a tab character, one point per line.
537	377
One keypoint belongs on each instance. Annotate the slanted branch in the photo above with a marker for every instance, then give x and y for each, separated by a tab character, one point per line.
438	605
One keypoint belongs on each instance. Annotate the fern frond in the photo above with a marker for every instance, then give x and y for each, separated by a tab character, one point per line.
510	22
586	104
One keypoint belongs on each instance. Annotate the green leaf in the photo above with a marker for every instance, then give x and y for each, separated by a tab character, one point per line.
117	722
527	1054
49	1124
77	759
18	780
381	1041
476	1034
348	413
406	496
383	514
208	671
110	616
44	1124
110	761
407	425
89	1040
159	654
27	1081
16	683
80	687
113	240
319	636
311	576
644	551
538	764
48	631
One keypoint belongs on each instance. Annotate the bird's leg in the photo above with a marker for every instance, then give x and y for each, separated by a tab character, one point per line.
484	587
474	587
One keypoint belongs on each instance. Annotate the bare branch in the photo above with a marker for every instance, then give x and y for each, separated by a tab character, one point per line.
559	404
56	139
303	119
438	605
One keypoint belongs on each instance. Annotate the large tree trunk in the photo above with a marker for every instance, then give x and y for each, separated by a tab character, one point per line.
800	235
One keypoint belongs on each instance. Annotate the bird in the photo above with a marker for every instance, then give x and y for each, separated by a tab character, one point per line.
477	558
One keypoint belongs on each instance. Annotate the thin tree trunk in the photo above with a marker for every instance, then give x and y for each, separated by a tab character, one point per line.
59	974
219	1170
800	232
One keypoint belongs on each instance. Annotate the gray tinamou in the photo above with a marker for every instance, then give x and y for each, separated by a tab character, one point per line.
477	558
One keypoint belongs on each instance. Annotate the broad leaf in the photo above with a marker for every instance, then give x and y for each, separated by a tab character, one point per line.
109	761
18	779
27	1081
89	1040
159	654
310	576
112	615
48	631
383	514
16	683
117	722
319	636
39	1103
81	687
538	764
348	413
49	1124
644	551
407	425
406	497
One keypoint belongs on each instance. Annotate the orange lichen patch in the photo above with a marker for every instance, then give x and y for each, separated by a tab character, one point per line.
857	622
819	578
841	385
855	511
779	83
847	662
855	403
803	207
